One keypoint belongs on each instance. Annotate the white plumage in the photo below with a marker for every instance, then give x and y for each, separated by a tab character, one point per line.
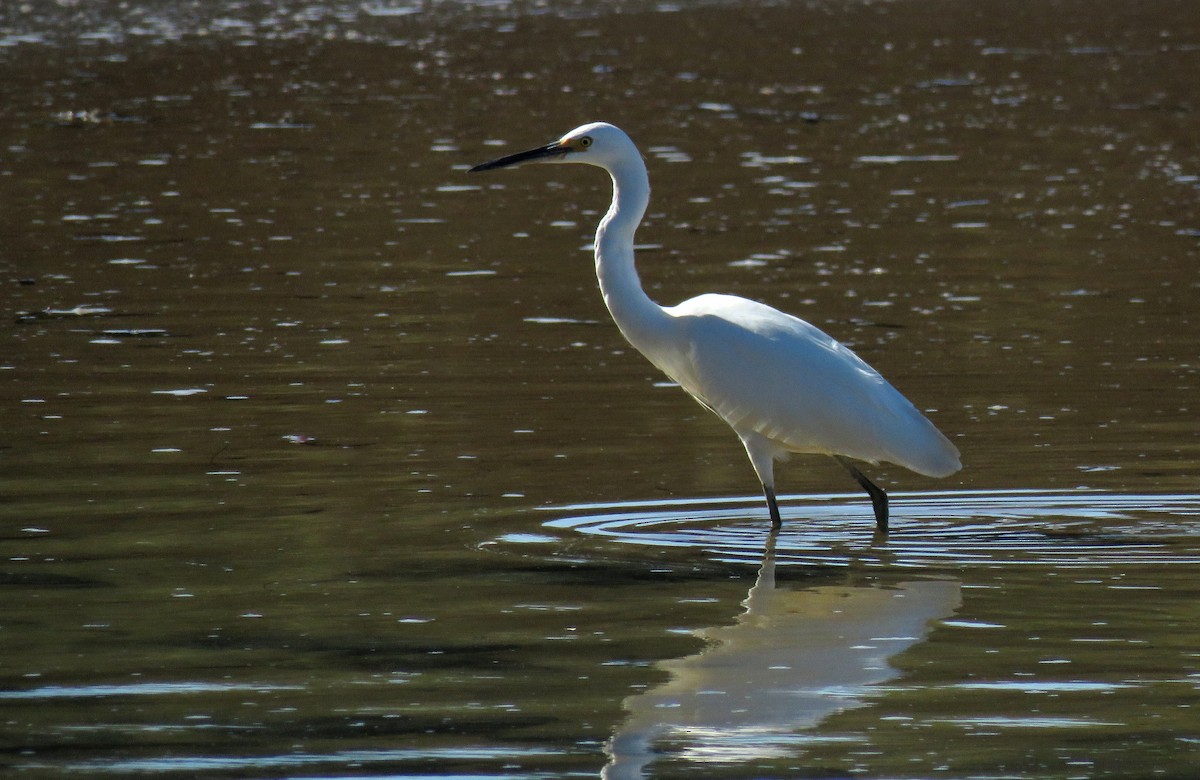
783	385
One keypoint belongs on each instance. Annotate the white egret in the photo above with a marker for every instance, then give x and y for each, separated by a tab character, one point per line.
783	385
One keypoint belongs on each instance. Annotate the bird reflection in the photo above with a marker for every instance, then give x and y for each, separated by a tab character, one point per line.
792	659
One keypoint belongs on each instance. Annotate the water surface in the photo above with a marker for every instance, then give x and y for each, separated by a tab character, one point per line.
323	458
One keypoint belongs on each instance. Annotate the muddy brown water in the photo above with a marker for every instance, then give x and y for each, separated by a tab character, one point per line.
322	458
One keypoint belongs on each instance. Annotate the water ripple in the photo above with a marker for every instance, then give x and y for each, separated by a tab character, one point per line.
1076	528
138	689
190	765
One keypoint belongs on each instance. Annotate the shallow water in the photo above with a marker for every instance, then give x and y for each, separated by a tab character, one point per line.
954	529
323	458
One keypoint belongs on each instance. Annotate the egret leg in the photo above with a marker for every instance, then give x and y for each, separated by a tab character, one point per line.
879	499
773	506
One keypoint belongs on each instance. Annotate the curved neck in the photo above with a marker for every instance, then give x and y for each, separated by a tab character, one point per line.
639	318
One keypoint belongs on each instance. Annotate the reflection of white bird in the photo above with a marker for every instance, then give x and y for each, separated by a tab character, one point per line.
791	660
780	383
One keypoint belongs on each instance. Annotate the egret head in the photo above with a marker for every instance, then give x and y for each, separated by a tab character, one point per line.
597	143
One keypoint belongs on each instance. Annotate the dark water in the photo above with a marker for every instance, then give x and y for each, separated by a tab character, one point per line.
322	458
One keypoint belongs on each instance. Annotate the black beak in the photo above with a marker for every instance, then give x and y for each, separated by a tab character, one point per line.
541	153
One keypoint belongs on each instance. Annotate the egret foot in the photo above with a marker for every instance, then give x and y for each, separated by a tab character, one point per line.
879	499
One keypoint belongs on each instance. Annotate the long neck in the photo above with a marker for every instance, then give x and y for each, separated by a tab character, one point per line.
639	318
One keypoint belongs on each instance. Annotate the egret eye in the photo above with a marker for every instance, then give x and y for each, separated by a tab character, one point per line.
585	142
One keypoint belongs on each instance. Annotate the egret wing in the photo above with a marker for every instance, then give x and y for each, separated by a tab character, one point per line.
774	374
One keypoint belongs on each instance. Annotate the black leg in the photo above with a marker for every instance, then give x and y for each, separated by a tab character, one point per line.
879	499
773	505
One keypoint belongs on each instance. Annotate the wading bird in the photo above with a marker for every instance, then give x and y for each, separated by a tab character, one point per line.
783	385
